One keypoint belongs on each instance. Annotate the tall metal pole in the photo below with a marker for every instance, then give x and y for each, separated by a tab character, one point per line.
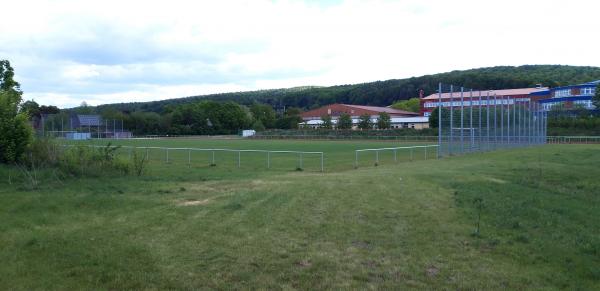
43	125
471	121
495	121
439	118
487	122
462	121
508	127
529	118
451	138
514	128
479	139
322	162
502	119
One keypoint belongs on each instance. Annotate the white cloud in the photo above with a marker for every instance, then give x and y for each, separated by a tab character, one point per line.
67	51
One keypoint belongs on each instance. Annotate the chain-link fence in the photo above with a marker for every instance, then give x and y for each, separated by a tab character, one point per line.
472	120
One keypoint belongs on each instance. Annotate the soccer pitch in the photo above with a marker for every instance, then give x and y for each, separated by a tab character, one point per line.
221	153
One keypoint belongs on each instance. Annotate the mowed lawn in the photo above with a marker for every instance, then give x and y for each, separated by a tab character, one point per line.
395	226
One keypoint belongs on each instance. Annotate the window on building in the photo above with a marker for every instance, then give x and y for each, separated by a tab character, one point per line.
585	103
588	91
562	93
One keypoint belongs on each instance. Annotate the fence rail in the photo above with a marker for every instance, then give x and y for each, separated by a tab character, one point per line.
411	150
350	137
167	150
573	139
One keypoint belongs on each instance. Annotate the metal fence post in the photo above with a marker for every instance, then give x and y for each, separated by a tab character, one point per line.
502	120
213	158
487	122
268	160
376	157
471	129
322	162
395	155
462	120
439	118
190	157
355	159
239	159
451	138
529	119
495	121
508	135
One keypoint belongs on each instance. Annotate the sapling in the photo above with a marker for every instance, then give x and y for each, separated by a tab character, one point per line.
479	206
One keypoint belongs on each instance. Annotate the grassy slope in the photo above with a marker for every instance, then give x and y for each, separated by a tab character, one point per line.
387	227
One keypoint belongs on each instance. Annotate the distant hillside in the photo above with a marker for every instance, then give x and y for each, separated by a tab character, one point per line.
383	93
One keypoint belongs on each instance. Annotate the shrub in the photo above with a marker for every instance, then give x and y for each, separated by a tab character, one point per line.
75	161
15	131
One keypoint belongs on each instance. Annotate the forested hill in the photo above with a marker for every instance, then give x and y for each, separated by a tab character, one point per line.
383	93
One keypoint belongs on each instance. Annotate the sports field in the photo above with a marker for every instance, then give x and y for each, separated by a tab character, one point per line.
396	226
337	155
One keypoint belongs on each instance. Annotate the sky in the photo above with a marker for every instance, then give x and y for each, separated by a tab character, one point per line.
65	52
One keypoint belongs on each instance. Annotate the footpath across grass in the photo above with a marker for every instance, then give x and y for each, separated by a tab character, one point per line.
410	225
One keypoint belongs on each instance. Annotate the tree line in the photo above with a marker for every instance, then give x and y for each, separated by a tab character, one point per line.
384	93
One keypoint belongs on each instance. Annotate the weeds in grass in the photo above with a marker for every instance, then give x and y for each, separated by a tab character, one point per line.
479	207
139	163
30	174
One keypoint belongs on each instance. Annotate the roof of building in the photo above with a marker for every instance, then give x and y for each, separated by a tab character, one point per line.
380	109
588	84
419	119
354	110
503	92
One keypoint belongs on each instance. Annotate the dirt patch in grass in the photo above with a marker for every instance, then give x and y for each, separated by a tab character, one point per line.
432	271
194	202
304	263
495	180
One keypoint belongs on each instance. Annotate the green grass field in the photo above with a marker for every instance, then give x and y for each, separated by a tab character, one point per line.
408	225
338	155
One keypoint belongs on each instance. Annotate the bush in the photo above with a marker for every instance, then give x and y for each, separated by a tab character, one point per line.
76	161
15	131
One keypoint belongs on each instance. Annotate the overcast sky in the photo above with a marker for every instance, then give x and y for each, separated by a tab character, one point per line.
66	52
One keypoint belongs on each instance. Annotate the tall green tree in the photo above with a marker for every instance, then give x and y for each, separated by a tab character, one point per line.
264	113
15	131
412	105
31	108
290	119
327	123
364	122
345	121
384	121
7	82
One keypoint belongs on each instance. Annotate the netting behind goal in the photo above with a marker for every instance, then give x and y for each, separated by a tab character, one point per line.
470	120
